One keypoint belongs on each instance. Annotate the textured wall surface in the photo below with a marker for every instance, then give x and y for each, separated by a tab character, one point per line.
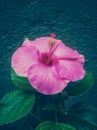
73	21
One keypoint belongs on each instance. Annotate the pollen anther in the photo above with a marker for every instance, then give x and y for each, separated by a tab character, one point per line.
52	40
51	43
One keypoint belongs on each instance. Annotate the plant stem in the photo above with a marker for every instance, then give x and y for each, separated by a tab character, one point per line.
56	117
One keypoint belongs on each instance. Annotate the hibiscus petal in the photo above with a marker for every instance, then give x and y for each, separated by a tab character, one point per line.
62	51
70	69
42	44
23	58
45	79
27	43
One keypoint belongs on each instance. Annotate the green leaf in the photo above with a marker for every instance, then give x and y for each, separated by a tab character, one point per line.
21	82
15	105
54	126
80	87
82	116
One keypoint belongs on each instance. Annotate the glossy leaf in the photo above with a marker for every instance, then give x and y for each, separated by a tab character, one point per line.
80	87
54	126
21	82
15	105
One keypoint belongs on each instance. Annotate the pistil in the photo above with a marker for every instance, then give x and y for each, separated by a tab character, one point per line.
52	41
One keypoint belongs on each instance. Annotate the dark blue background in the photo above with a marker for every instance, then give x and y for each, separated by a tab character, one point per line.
73	21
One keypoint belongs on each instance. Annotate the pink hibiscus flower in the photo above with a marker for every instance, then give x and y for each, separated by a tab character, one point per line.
48	64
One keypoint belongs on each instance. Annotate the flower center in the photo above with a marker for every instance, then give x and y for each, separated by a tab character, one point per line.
46	59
